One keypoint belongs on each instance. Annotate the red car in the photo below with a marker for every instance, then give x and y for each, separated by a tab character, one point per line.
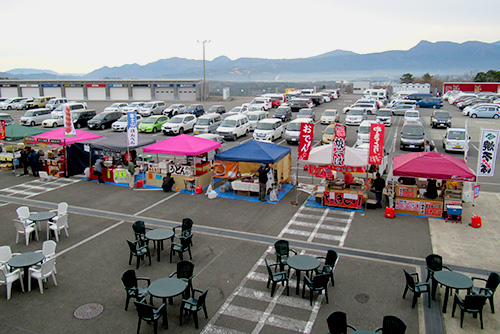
275	103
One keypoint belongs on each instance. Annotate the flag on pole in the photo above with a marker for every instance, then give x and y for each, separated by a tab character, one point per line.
487	152
132	129
376	152
2	129
305	140
69	128
339	145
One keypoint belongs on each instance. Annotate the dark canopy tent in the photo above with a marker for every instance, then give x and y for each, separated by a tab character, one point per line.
18	132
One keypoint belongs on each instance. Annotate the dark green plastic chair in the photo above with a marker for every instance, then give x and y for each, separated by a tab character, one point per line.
186	229
193	305
434	262
489	289
328	267
184	246
416	287
185	270
138	252
337	323
149	314
276	277
319	283
130	281
282	251
140	232
392	325
471	304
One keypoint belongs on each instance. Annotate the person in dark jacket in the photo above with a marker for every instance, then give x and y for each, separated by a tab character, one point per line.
34	160
263	170
168	183
24	160
378	187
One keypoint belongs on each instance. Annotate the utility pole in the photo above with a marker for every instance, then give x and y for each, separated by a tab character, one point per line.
204	42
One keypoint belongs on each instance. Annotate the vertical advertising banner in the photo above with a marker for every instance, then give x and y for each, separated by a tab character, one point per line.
376	152
69	128
487	152
305	140
339	145
2	129
132	129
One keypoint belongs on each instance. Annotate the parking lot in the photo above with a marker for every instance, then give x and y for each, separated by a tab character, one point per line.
231	239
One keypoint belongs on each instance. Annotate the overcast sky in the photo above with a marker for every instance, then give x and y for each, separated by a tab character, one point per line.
80	36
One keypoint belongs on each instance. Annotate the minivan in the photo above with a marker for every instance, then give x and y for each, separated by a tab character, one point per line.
39	102
254	117
234	126
81	117
456	139
152	108
292	132
54	103
412	136
217	108
104	120
7	118
207	123
364	132
268	129
35	116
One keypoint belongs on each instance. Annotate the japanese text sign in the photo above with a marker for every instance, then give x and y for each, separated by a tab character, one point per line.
2	129
132	129
305	140
339	145
476	191
487	152
376	152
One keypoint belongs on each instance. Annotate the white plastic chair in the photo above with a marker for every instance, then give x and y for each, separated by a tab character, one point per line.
7	278
5	255
23	213
46	270
49	251
62	209
26	229
60	224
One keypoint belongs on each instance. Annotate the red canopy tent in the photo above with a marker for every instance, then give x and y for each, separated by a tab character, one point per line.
183	145
432	165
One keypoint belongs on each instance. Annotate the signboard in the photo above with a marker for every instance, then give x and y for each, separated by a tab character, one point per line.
475	87
51	85
406	191
180	170
132	129
419	207
339	145
28	85
29	140
55	141
376	152
117	85
305	140
69	128
476	191
73	85
488	149
2	129
95	85
345	200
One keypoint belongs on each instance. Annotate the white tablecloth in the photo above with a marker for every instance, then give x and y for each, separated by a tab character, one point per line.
245	186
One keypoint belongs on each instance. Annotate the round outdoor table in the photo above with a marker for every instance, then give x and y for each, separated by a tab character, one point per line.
302	263
166	288
25	261
452	280
38	217
157	236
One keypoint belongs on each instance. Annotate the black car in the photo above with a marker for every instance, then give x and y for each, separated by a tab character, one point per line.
298	104
195	109
104	120
440	119
81	117
284	113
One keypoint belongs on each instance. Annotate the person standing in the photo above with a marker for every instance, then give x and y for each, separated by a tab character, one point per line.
378	187
24	160
34	160
131	174
168	183
99	165
263	170
427	146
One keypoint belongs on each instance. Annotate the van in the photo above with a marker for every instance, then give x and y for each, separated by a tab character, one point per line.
104	120
412	136
207	123
254	117
7	118
35	116
39	102
268	129
292	132
54	103
364	132
418	96
456	139
403	102
81	117
152	108
234	126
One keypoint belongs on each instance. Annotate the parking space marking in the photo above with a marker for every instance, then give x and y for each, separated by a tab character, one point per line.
37	187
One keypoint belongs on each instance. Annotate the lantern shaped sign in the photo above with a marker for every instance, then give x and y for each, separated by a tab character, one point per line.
69	129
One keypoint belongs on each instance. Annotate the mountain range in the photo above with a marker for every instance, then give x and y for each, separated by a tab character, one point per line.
441	58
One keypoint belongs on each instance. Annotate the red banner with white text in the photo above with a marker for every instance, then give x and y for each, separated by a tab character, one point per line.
2	129
339	145
376	152
305	140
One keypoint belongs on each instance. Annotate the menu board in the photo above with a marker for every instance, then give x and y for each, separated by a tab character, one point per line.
343	199
419	207
406	191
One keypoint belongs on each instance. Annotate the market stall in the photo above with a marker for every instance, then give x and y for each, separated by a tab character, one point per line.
417	171
53	145
240	164
332	191
114	148
10	153
190	166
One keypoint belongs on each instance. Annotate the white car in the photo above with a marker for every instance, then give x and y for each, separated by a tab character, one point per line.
330	116
370	108
256	116
466	111
179	124
134	106
54	122
265	102
174	109
268	129
355	116
292	132
364	131
412	115
326	97
121	124
456	139
116	107
11	103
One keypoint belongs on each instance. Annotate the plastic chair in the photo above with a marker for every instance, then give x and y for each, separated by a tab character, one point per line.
49	251
7	278
282	251
185	269
149	314
337	323
62	210
328	267
193	305
60	224
23	213
489	290
471	304
392	325
5	255
130	281
416	287
140	232
184	246
26	229
318	283
138	252
186	228
434	263
276	277
46	270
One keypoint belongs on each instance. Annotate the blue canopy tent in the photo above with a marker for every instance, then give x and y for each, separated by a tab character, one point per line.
253	153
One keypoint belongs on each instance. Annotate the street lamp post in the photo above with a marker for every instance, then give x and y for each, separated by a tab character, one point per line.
204	42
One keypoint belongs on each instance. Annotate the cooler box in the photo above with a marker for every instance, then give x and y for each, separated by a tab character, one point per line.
454	210
371	204
389	212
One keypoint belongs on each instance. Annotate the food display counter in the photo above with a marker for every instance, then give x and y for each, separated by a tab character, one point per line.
419	206
344	198
186	175
246	187
115	174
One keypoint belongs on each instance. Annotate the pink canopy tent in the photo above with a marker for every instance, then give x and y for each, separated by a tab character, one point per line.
432	165
183	145
60	135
